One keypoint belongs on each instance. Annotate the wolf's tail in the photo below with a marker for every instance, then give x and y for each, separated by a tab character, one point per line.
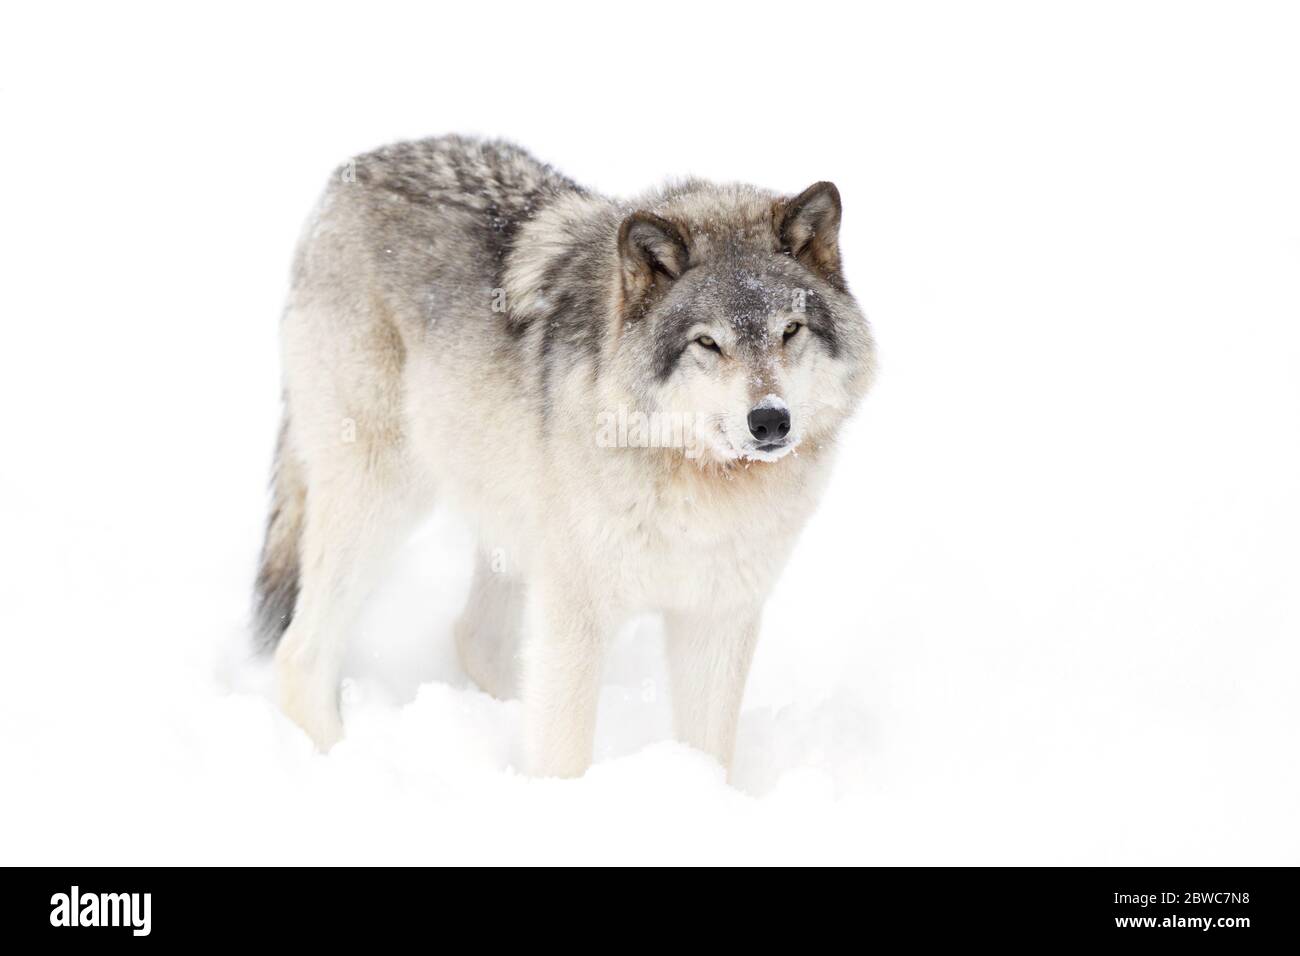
276	588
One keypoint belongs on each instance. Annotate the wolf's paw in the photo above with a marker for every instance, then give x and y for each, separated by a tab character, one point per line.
310	703
322	724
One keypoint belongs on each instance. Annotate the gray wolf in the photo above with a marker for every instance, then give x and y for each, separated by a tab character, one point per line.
636	403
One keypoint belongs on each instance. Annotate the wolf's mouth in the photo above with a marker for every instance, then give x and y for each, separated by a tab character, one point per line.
769	451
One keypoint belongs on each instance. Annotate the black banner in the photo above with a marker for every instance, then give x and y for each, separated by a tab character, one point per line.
1226	908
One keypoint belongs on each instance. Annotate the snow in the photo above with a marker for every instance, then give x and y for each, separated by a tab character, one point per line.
1047	613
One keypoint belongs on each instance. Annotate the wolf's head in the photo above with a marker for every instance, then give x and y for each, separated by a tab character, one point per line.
734	316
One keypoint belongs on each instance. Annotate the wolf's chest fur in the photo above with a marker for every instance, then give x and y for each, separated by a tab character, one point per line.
692	535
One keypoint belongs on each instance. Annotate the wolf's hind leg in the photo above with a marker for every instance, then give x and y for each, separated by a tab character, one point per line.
489	628
350	532
708	660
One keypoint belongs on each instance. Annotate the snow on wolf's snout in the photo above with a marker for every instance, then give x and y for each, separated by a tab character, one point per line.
745	345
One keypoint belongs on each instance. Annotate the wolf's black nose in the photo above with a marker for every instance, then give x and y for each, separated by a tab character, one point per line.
769	424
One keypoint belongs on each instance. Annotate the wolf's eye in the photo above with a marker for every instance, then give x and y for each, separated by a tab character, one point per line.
707	342
790	329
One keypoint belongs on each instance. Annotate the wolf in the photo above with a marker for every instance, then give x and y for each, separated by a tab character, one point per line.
463	325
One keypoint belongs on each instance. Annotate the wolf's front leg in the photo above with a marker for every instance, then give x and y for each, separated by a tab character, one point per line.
562	657
709	652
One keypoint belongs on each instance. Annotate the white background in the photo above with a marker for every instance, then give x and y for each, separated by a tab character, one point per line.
1047	613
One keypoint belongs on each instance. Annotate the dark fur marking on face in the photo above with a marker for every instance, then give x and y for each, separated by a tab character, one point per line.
668	335
821	322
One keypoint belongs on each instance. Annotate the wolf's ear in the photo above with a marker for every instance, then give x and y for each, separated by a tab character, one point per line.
808	228
653	251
